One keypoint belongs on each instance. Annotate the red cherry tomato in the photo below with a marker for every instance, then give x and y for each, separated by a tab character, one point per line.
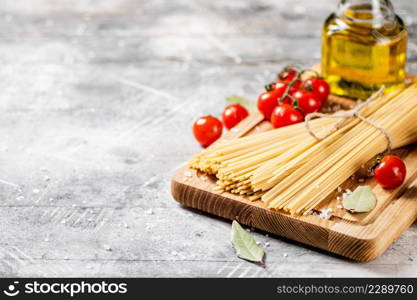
281	88
391	172
318	86
296	85
268	100
287	75
284	115
308	102
233	114
207	130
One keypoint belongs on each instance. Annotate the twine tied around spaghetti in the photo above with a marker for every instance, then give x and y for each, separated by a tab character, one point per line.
346	115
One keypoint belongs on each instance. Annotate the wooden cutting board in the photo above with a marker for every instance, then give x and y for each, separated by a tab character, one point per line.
361	237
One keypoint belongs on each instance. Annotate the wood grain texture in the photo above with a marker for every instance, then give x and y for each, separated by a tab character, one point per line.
361	237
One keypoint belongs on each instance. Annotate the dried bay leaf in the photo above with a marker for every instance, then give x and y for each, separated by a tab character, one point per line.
244	244
361	200
235	99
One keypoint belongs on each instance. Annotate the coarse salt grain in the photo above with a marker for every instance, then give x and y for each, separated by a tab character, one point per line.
149	211
325	213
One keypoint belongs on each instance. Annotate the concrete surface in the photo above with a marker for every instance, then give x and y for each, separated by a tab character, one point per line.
97	99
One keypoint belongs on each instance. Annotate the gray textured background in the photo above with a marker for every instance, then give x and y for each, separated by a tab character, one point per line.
97	99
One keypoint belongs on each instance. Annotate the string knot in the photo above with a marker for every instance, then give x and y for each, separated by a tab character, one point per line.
344	116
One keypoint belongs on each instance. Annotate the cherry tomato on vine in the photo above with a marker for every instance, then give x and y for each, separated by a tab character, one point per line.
284	115
308	102
287	76
267	101
391	172
207	130
233	114
281	88
318	86
296	85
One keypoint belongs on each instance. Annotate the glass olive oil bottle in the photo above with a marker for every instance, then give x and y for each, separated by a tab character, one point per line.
364	47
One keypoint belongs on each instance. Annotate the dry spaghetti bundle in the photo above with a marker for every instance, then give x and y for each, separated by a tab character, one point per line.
290	170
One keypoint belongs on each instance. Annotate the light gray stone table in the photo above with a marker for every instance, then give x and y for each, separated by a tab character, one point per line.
97	99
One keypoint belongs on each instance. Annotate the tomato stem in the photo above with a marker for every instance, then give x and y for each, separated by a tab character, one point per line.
270	86
308	87
290	85
295	104
376	163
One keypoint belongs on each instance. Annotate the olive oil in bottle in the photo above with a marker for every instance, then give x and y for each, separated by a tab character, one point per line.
364	47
